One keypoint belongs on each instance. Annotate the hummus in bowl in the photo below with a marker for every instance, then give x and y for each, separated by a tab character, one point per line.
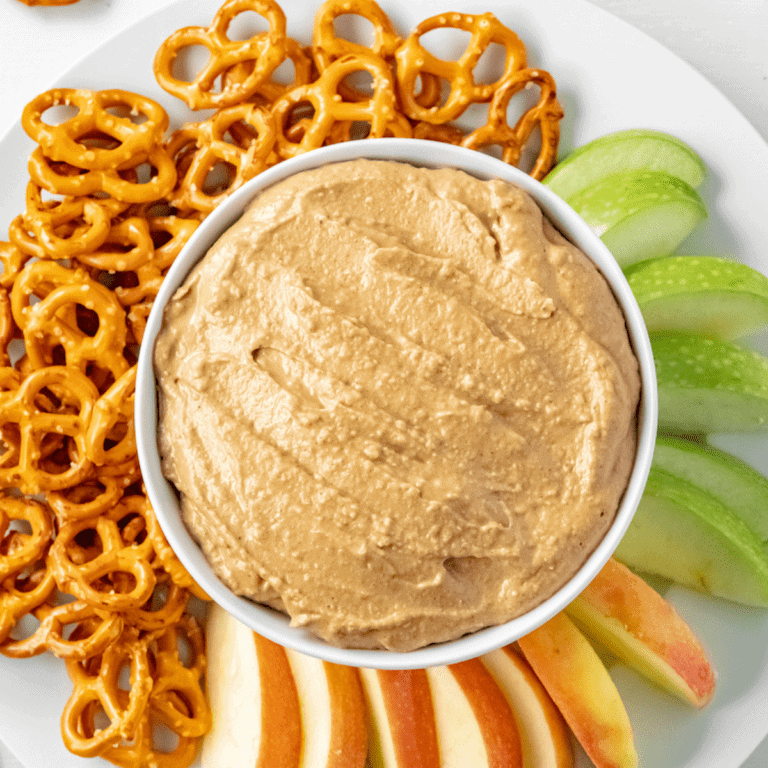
396	403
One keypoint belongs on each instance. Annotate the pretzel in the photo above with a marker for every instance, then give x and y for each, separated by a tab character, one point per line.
69	141
66	179
95	495
48	2
330	109
113	407
141	750
118	575
13	261
163	609
547	114
448	134
92	635
176	682
7	326
96	687
54	320
414	62
264	52
211	149
326	47
33	419
68	227
19	549
127	245
24	591
269	91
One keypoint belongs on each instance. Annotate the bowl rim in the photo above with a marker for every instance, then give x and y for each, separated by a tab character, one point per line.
273	624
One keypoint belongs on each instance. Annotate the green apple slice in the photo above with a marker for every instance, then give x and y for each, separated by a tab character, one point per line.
640	214
683	534
708	385
724	477
700	294
633	150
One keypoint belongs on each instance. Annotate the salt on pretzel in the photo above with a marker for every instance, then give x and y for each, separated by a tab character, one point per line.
12	260
53	321
96	684
29	414
23	592
93	633
118	574
414	62
127	246
65	228
176	682
264	52
113	408
199	147
66	179
327	47
546	113
379	109
68	141
19	549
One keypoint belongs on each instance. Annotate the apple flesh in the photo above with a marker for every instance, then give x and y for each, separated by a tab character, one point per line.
253	697
579	684
707	385
544	734
730	481
632	150
704	295
686	535
335	734
641	214
620	612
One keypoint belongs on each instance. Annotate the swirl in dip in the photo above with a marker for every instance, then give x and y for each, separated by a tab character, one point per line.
397	404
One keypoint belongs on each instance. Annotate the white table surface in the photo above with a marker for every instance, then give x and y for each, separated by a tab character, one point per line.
725	40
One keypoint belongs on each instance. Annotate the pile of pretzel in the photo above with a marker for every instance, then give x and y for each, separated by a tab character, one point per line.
85	571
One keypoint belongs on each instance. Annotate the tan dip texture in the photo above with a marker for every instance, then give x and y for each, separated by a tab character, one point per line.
397	404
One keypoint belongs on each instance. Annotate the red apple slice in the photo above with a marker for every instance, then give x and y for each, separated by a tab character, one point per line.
494	716
256	714
623	614
332	705
544	734
401	719
579	684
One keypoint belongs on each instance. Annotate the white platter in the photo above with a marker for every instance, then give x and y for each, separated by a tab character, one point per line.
609	77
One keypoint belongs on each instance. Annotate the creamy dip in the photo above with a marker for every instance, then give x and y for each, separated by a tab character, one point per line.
397	404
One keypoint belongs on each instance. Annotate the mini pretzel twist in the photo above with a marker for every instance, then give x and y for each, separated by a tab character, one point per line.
163	610
113	407
177	683
53	321
327	47
546	113
31	417
414	62
68	141
123	185
127	246
95	495
211	149
96	684
13	261
7	326
330	109
19	549
264	52
66	228
118	575
94	632
23	592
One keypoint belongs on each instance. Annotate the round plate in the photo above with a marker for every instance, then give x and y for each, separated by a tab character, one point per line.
610	77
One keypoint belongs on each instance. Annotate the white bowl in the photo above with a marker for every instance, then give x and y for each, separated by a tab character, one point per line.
275	625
